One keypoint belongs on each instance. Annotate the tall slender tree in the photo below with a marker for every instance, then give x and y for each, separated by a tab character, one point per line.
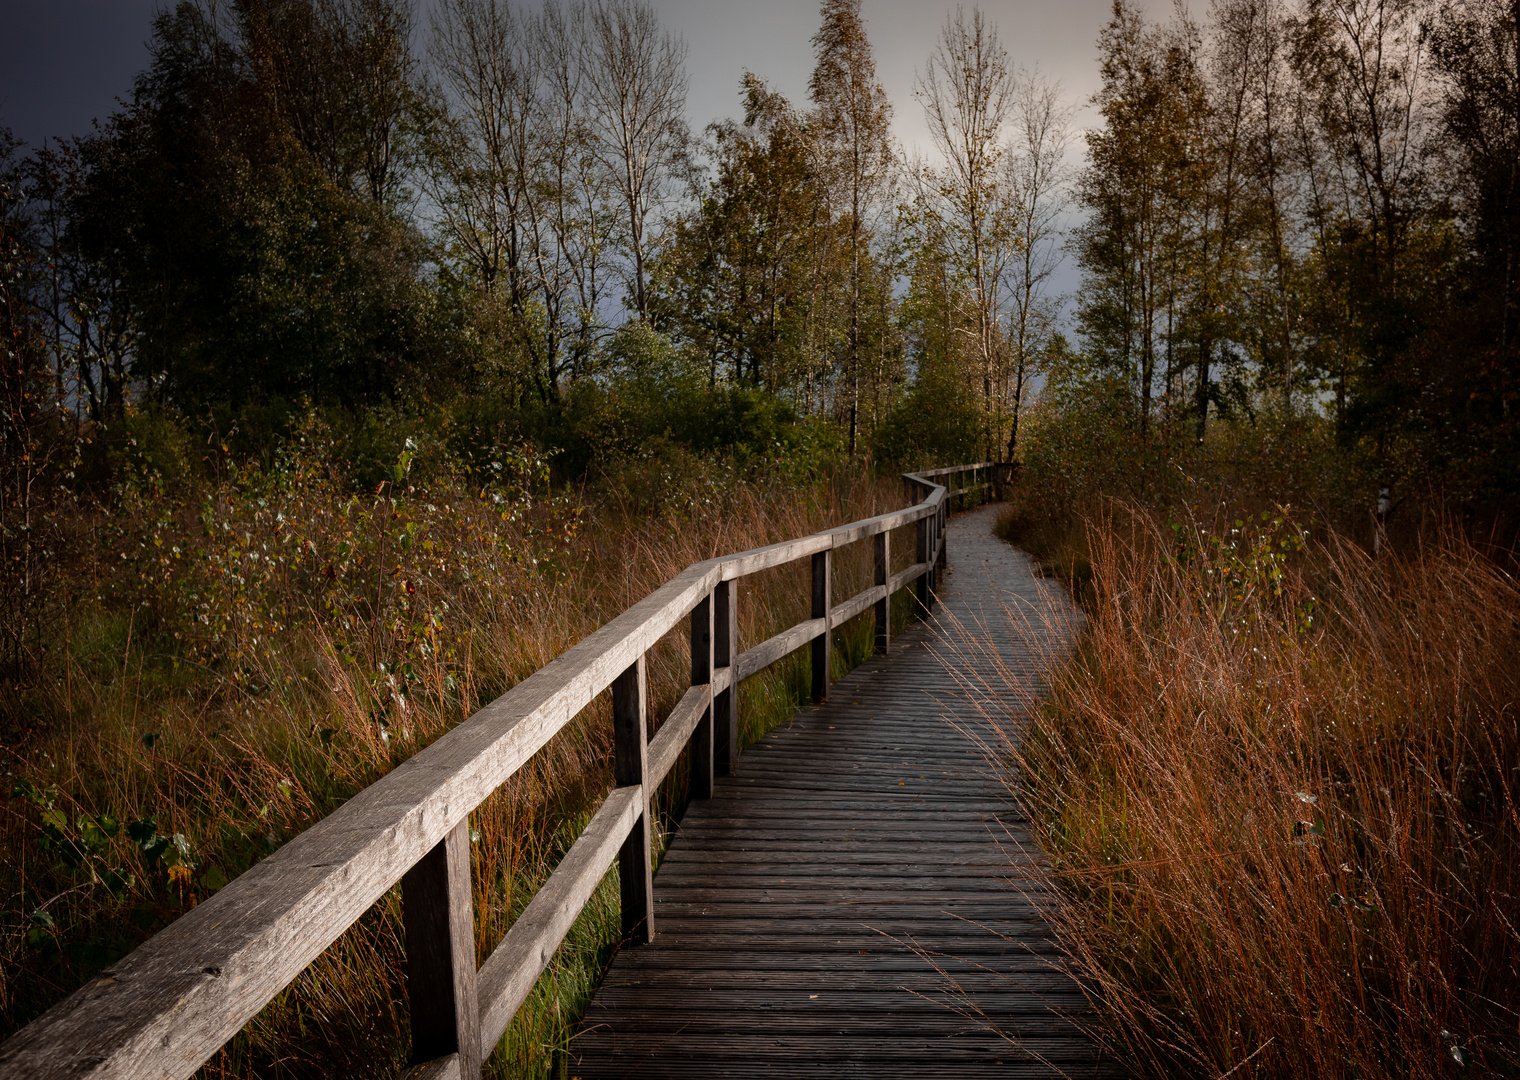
967	91
1036	180
854	120
636	96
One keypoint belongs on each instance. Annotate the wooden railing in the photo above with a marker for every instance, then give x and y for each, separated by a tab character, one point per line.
166	1008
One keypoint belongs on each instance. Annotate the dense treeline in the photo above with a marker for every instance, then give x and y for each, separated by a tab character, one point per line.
322	202
1306	212
1295	210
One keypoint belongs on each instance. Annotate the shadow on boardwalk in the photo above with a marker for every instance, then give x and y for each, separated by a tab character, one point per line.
851	902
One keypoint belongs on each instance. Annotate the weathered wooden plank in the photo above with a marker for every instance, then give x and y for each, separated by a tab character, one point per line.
783	644
822	645
725	700
630	768
879	977
924	554
903	578
438	914
882	579
509	973
929	474
666	746
701	782
887	962
846	610
860	530
749	562
765	558
444	1068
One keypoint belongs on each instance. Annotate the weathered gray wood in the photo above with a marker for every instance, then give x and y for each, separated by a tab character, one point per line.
823	563
765	558
438	914
846	610
881	576
725	708
938	561
922	554
861	530
630	764
798	905
749	562
772	649
670	740
907	576
444	1068
701	675
508	975
930	474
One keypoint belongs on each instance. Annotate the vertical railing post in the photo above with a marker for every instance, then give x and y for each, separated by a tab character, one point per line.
701	675
882	576
822	644
630	747
931	579
438	915
726	704
921	555
944	526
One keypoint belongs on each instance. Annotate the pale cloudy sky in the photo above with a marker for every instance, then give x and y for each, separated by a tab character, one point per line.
65	62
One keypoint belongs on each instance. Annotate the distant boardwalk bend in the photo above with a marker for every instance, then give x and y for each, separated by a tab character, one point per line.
839	903
842	905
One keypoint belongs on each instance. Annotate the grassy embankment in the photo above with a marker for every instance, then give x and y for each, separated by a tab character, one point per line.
244	658
1278	784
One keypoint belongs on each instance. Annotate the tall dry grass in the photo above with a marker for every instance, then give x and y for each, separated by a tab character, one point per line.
1278	783
250	657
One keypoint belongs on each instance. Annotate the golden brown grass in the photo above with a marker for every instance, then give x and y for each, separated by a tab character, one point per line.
1278	782
250	657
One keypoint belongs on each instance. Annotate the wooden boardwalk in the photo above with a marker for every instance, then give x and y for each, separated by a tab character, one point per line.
851	903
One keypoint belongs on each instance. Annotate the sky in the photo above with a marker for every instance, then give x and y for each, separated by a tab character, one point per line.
65	63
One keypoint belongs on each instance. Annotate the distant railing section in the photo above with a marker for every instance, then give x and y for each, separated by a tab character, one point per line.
166	1008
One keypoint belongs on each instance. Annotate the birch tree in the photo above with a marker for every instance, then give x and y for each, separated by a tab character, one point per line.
1035	178
854	121
636	93
968	93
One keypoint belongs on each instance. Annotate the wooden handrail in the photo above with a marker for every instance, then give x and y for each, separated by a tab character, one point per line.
169	1005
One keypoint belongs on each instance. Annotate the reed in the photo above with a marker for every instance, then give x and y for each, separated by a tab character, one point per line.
1277	783
249	656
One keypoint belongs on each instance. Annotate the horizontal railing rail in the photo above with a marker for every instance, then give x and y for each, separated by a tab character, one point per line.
168	1006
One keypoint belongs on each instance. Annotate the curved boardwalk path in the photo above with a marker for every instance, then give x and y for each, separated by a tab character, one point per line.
849	904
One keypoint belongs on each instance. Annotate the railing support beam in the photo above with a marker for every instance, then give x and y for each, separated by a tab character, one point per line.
725	652
883	606
701	675
922	586
823	564
630	752
438	915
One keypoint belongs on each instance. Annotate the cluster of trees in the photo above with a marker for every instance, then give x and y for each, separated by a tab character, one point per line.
1308	207
321	201
1296	208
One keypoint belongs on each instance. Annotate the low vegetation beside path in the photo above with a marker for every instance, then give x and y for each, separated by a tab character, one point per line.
235	656
1278	782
